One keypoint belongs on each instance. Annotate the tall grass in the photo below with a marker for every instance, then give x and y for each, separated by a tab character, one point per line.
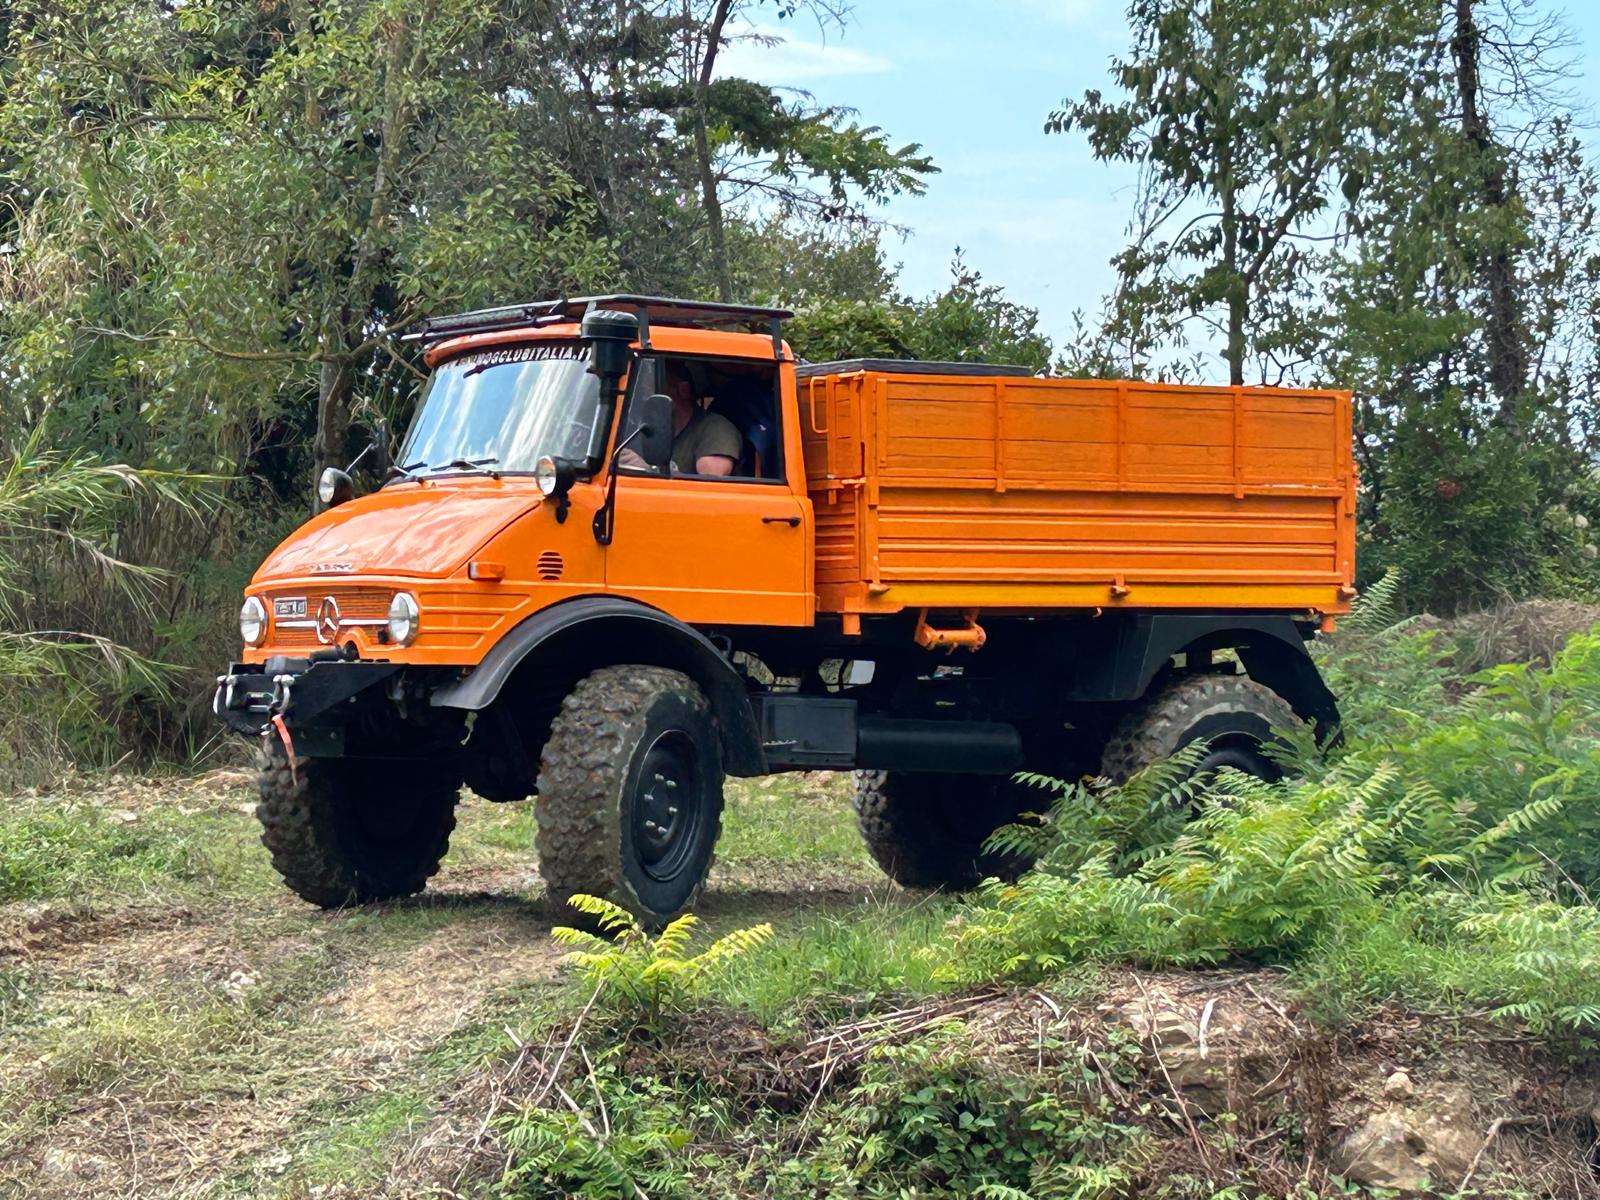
60	574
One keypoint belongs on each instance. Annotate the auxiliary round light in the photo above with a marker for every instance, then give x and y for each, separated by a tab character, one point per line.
545	474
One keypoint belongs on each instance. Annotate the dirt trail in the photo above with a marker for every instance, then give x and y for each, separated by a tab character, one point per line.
177	1042
178	1049
104	1111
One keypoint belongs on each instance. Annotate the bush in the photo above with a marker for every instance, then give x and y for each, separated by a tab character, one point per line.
1455	866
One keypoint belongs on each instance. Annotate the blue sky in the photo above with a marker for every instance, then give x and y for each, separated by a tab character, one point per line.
974	83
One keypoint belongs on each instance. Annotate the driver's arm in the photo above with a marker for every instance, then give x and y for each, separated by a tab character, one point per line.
717	451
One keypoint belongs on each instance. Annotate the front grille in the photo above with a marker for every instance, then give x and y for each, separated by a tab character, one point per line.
365	608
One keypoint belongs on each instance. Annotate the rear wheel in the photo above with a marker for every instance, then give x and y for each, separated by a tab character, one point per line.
928	831
348	831
1232	713
630	792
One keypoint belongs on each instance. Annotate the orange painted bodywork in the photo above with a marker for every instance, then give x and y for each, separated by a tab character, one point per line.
966	494
1007	493
698	549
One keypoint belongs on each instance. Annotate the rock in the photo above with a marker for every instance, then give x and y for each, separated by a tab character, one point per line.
1427	1142
1398	1086
70	1166
1210	1057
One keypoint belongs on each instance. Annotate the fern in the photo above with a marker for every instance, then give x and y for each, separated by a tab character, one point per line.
1377	610
641	975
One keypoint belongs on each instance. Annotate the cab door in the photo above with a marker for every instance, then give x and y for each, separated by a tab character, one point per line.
714	550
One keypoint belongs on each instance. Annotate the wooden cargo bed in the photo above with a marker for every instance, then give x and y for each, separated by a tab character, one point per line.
936	486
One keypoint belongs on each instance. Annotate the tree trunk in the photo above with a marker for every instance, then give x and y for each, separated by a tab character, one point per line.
1504	325
334	387
702	149
345	330
1220	32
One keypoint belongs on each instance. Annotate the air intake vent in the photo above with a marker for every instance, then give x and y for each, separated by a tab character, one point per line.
550	565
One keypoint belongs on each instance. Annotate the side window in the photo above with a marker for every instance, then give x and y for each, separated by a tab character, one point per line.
725	415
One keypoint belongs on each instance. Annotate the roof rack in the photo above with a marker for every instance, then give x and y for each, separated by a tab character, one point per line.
906	366
651	310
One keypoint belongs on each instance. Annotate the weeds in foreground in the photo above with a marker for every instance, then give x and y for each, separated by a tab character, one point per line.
1451	869
642	975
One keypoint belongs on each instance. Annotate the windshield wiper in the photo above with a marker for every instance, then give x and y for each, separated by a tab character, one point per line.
468	464
416	470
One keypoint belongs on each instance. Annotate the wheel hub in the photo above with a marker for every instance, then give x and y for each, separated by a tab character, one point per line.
666	806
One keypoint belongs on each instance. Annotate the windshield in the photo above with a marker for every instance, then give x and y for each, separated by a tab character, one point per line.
503	410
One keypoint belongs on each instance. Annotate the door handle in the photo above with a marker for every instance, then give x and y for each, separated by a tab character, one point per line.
791	522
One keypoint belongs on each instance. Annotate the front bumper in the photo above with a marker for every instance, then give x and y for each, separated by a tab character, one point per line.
302	692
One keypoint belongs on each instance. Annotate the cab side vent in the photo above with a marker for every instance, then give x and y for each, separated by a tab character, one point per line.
550	566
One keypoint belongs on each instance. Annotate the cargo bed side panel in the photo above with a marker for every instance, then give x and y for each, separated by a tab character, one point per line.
1015	492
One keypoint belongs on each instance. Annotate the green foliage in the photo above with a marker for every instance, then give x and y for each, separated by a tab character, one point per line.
971	321
1448	853
1247	118
58	522
875	952
932	1118
639	1147
778	146
643	975
74	852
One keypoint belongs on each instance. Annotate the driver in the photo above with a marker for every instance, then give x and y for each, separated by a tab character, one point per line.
703	443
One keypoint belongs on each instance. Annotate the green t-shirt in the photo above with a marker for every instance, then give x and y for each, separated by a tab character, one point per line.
706	433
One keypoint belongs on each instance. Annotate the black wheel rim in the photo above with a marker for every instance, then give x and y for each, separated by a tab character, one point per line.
1241	752
668	808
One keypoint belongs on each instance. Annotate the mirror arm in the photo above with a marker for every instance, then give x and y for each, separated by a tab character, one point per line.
356	461
605	521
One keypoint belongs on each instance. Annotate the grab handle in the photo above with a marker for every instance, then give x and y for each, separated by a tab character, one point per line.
815	428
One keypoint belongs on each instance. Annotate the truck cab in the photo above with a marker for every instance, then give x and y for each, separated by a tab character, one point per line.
553	596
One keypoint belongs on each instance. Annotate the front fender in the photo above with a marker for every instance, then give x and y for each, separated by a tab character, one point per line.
602	631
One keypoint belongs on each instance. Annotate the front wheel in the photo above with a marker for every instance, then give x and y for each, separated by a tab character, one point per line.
349	831
630	792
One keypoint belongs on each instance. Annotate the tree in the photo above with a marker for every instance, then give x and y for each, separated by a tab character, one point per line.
970	321
794	156
1246	118
272	193
1463	316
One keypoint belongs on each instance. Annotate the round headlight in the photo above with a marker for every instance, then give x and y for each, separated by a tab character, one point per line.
554	475
545	473
253	621
404	618
335	487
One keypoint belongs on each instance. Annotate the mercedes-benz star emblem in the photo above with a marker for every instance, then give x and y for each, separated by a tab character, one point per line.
327	620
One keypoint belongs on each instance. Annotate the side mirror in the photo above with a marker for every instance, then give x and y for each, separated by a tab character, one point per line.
655	430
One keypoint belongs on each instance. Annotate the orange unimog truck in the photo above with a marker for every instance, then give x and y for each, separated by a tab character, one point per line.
933	574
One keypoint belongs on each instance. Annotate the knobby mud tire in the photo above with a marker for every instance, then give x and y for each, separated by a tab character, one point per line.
347	831
590	780
906	819
1212	706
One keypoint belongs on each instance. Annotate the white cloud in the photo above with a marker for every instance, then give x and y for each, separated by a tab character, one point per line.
794	61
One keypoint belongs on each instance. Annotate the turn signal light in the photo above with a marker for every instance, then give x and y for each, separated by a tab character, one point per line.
486	572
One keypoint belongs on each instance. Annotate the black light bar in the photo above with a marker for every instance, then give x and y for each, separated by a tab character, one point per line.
651	310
